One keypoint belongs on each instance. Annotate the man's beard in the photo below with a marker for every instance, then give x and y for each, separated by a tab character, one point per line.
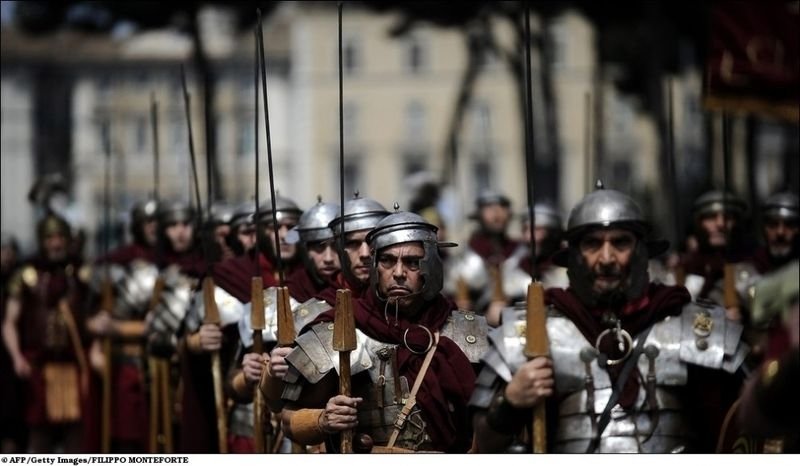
631	286
779	250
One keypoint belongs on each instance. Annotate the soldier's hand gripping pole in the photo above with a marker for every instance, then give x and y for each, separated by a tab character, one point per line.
107	301
257	320
344	341
536	345
212	317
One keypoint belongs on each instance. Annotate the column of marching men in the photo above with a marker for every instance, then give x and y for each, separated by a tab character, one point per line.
648	352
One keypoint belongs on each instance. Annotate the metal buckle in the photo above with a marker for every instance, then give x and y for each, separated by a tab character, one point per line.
430	339
628	340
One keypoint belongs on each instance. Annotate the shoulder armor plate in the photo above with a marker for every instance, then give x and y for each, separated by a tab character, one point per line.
317	356
230	309
470	332
709	339
303	314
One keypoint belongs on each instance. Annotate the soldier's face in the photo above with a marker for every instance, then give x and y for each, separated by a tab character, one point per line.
220	232
607	253
324	257
180	236
56	247
495	218
539	235
150	231
780	235
399	275
288	251
357	251
247	236
717	225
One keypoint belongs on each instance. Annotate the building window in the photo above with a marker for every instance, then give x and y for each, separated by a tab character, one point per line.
140	135
352	176
350	114
414	163
416	57
481	175
351	55
179	141
416	122
481	126
245	139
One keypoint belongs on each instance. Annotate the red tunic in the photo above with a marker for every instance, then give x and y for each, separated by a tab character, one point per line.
42	338
494	249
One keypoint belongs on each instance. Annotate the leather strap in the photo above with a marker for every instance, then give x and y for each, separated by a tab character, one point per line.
412	396
74	336
605	417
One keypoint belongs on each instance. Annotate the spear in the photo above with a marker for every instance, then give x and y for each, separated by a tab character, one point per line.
286	330
210	304
344	329
257	317
107	300
536	332
158	367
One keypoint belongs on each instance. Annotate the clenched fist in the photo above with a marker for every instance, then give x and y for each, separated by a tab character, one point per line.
340	414
531	384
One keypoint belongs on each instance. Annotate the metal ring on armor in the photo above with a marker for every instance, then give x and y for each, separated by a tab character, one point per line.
430	339
620	332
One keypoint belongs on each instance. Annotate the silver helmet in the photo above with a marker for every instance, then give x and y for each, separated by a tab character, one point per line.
545	215
243	214
284	208
359	214
405	227
605	208
602	208
782	205
313	224
174	211
144	211
489	197
716	201
221	213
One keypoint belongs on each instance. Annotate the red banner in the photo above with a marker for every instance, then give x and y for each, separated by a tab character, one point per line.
753	63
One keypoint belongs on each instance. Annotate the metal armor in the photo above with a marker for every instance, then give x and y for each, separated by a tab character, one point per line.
230	309
133	285
170	311
746	277
303	314
700	335
386	392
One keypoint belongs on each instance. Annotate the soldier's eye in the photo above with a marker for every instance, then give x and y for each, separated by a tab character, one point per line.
625	242
591	243
353	244
411	263
319	248
387	262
